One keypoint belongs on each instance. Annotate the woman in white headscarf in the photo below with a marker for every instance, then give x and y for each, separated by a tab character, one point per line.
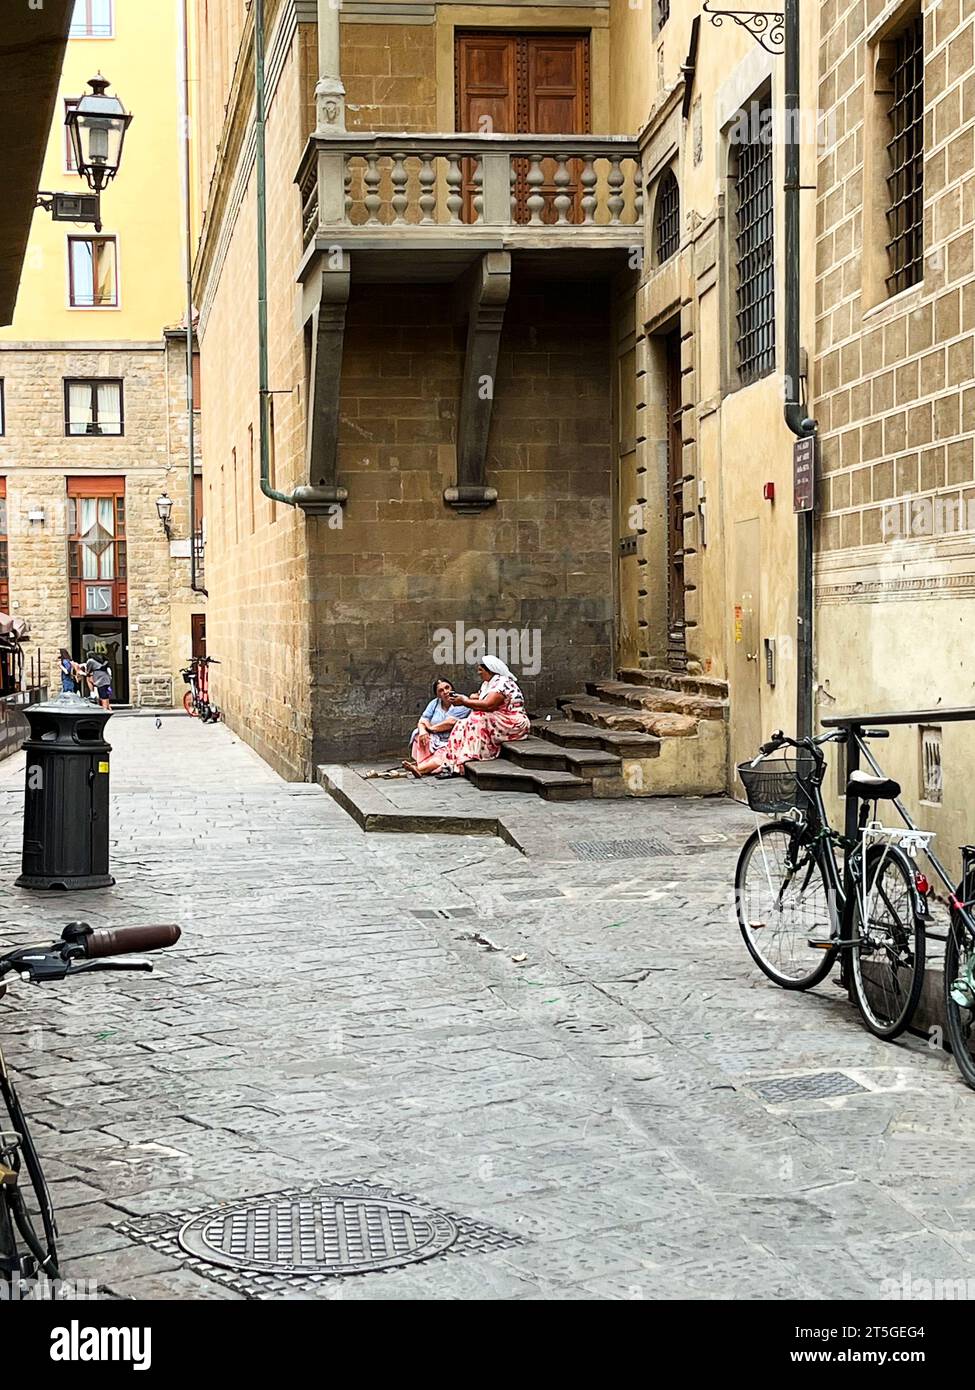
497	716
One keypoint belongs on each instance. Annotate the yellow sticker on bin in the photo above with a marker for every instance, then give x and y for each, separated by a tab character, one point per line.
103	767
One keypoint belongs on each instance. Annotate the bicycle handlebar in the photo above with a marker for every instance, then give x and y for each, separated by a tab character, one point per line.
118	941
82	949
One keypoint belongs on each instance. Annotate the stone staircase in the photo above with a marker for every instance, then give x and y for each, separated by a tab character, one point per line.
647	733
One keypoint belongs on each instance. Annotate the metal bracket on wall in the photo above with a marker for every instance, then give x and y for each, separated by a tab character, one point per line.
489	290
322	496
766	27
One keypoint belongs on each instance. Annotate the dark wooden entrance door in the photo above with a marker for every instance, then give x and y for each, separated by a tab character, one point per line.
509	83
676	646
199	635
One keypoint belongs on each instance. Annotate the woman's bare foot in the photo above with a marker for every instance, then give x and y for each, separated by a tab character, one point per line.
411	767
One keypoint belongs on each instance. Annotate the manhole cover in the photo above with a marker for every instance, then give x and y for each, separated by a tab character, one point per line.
819	1085
599	850
334	1231
451	1235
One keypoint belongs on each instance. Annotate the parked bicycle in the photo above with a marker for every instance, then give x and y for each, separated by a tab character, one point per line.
28	1227
197	701
798	911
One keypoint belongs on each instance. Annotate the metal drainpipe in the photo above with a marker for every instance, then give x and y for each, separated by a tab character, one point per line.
795	417
261	171
195	586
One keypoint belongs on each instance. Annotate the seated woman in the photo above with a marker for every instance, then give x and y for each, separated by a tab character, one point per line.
434	726
498	716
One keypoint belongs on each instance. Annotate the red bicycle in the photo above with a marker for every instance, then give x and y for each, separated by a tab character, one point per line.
197	701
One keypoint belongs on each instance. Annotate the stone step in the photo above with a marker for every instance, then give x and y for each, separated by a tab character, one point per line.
656	699
539	753
568	734
585	709
502	775
709	686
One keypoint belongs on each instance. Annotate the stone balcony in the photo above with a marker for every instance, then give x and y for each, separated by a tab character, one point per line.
460	195
464	210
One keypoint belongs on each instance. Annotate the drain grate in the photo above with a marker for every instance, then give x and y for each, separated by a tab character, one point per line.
818	1085
280	1243
599	850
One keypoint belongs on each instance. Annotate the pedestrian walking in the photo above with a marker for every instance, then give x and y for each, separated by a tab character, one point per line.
99	678
69	682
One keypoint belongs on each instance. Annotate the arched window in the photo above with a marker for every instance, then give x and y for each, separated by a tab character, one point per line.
667	217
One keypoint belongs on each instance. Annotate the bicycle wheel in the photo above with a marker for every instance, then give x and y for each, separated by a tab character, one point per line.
887	955
782	899
960	1019
188	705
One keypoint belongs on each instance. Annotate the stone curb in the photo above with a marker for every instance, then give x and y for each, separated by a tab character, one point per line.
371	810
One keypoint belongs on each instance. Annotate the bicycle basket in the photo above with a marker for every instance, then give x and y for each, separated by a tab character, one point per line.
778	784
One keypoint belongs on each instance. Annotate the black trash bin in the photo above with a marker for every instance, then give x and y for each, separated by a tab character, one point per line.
66	802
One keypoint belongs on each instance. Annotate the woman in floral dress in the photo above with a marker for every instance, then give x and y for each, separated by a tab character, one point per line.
497	716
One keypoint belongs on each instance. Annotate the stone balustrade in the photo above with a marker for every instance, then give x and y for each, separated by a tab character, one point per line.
545	184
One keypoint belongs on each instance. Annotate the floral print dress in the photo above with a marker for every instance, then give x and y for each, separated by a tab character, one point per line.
482	733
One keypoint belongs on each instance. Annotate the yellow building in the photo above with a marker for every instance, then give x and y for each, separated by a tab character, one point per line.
93	378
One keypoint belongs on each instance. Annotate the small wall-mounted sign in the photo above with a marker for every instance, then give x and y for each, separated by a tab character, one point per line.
804	474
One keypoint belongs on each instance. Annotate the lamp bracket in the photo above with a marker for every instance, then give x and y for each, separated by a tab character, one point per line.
72	207
766	27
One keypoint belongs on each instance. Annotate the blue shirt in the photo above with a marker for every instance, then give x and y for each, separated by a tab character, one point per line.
436	714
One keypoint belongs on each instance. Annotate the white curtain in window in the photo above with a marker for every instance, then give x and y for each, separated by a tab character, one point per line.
82	272
106	522
110	407
79	409
87	517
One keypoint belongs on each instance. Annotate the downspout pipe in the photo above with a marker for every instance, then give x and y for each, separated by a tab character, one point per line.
795	416
261	174
195	585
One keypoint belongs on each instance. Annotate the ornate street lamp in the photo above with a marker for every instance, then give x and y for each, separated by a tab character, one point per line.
164	506
97	126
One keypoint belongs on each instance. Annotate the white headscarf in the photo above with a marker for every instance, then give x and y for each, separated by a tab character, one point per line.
495	665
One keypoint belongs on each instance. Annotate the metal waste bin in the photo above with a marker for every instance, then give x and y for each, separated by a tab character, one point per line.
66	802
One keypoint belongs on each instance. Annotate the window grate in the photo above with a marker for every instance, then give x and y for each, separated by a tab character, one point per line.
667	217
905	182
755	254
663	12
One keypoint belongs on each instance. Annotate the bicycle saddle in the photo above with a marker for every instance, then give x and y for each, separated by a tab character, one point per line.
869	788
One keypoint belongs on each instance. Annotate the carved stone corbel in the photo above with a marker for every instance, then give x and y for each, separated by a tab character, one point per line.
488	299
322	493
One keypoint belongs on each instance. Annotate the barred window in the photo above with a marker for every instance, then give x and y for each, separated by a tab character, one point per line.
754	250
905	150
662	8
667	217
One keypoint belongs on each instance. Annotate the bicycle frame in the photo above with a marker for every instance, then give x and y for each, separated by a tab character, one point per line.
956	894
846	884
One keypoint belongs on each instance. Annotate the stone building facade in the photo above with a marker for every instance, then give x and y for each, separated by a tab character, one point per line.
895	374
155	619
628	492
341	612
93	388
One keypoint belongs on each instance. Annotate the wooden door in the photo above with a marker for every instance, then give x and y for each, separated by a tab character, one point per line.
198	630
676	648
524	84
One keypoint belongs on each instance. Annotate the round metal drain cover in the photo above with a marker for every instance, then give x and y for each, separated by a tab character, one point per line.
332	1231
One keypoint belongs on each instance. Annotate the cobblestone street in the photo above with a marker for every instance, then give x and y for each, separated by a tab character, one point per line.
328	1016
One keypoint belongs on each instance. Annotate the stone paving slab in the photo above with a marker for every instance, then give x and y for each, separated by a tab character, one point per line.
594	1085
